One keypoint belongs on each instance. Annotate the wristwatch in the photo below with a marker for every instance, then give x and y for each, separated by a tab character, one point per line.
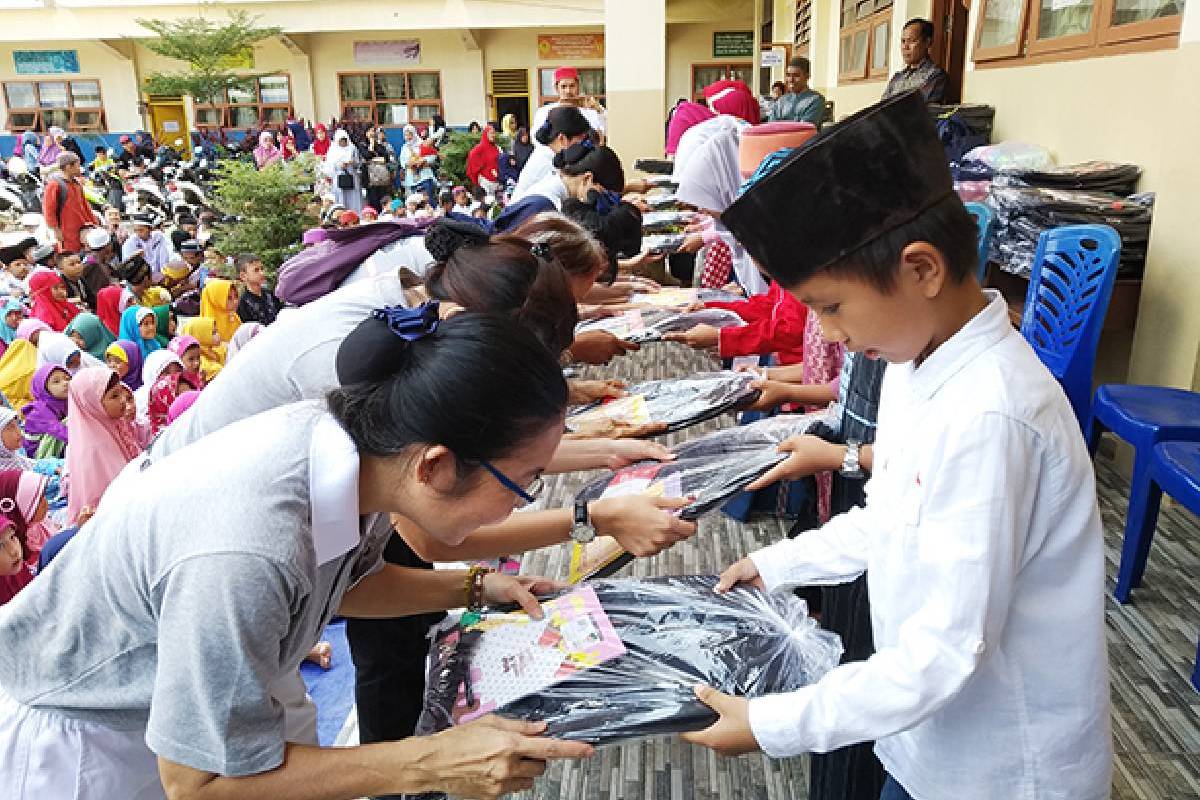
583	531
851	468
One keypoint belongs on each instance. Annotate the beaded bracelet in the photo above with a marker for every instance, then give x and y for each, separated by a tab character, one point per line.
473	587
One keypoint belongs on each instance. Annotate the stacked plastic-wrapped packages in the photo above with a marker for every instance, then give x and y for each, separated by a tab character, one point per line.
649	325
1023	212
616	660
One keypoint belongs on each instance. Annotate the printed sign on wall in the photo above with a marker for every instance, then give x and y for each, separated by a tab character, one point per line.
45	62
393	52
570	46
733	44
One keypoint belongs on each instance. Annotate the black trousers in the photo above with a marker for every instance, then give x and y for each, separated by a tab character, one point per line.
389	663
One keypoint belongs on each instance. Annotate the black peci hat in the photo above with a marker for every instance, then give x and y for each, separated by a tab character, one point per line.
870	174
567	120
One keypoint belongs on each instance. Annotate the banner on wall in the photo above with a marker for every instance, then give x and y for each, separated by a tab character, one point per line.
392	52
570	46
733	44
45	62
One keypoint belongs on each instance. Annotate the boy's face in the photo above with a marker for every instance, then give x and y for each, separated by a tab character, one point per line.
19	267
897	325
112	217
253	274
71	266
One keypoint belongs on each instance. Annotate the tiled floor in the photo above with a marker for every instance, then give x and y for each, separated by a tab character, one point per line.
1152	648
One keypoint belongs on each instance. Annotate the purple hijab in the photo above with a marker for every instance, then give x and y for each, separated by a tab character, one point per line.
133	355
46	413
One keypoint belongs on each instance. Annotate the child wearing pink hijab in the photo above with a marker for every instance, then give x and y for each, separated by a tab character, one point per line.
102	435
267	153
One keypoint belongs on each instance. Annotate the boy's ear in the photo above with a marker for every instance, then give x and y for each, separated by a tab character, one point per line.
925	267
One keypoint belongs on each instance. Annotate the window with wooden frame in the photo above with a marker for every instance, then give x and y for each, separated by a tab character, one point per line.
591	84
1048	30
253	102
391	99
864	43
73	105
708	74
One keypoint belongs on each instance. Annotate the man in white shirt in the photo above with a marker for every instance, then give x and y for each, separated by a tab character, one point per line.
566	83
980	538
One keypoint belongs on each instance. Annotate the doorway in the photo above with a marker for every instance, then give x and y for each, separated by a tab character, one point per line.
517	106
168	122
951	19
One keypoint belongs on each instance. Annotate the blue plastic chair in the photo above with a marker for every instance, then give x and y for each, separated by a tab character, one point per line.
985	218
1175	469
1142	416
1074	270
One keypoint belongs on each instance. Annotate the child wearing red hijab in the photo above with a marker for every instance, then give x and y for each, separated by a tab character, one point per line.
108	308
23	506
50	303
321	142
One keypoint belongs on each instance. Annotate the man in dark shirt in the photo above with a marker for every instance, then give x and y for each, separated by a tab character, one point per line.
919	71
257	303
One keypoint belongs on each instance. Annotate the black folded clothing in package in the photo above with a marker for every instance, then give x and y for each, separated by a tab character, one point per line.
616	660
678	403
1090	176
655	166
1022	213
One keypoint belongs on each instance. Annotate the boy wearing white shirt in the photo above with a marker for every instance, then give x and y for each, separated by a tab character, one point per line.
980	538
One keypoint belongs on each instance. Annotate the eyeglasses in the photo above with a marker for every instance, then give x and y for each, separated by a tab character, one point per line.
528	494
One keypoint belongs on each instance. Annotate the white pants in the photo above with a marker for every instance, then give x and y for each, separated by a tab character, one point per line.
47	756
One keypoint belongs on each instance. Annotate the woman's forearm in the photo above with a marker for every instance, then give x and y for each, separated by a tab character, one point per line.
312	773
577	454
519	533
397	591
811	394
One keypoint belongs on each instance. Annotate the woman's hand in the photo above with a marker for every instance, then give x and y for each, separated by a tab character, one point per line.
624	452
599	347
807	455
501	590
700	337
642	525
730	735
771	394
612	429
580	392
492	757
643	284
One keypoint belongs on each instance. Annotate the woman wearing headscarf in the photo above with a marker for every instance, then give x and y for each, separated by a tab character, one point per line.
522	148
299	134
30	151
483	162
733	98
320	142
90	333
51	147
288	147
508	126
418	168
341	166
687	115
267	152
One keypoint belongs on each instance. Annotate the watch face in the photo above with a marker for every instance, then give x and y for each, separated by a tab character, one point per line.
583	533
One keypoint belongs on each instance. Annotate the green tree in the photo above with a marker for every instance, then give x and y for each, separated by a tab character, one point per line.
272	205
453	156
208	48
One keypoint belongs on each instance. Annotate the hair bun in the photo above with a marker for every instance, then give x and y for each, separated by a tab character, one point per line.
447	235
370	353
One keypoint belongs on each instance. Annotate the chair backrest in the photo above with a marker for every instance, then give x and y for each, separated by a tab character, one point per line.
985	218
1074	270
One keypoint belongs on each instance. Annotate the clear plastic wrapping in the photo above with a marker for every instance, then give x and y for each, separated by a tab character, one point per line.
666	221
649	325
678	403
663	243
616	660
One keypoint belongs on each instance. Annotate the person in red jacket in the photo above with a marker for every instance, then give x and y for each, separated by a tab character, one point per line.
68	215
774	324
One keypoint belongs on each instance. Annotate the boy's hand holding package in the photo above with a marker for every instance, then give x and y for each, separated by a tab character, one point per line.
807	455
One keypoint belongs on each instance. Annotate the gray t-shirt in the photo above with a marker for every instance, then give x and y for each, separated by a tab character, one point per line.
193	588
293	359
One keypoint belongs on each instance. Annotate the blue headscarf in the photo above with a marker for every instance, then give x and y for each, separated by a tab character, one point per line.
129	329
7	334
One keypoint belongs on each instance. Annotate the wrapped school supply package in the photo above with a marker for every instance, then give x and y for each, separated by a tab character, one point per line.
666	221
681	298
710	470
616	660
649	325
678	403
